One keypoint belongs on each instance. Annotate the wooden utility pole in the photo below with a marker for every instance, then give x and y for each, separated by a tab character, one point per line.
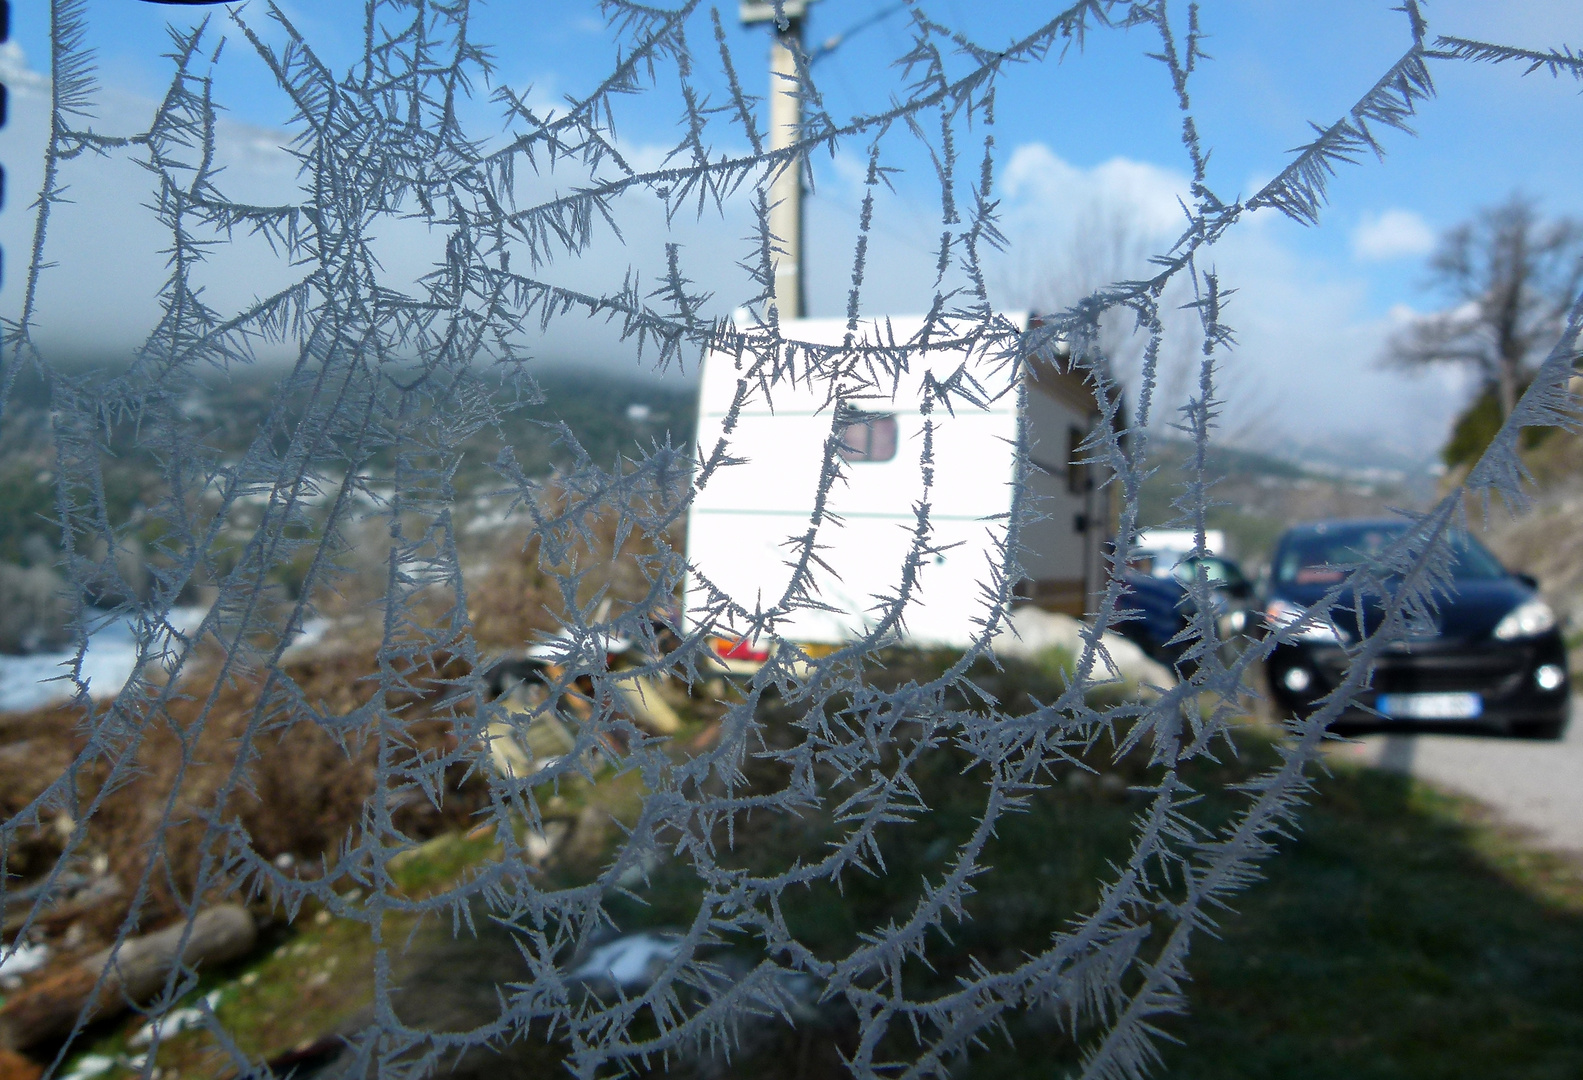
786	192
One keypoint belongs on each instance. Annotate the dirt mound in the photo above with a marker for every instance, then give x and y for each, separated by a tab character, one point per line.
35	748
1547	540
285	765
615	555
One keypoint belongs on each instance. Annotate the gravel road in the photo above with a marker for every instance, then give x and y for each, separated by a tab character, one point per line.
1537	785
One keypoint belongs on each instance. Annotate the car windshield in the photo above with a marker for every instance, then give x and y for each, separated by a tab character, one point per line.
1216	571
1315	558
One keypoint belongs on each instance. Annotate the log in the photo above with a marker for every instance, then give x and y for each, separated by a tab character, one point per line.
13	1066
100	890
133	975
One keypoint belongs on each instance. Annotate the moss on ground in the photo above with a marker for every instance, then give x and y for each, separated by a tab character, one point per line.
1402	933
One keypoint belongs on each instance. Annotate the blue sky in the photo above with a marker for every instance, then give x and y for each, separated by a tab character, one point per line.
1094	135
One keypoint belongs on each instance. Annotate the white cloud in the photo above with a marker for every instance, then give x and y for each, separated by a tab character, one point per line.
1072	229
1394	234
1044	186
1306	358
1305	326
16	73
1400	315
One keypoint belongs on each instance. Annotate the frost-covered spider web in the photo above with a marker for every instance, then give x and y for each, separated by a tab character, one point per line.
393	382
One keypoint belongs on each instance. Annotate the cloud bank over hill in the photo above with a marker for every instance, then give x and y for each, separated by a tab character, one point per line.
1307	334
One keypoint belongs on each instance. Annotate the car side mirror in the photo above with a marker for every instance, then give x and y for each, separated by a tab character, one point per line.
1528	580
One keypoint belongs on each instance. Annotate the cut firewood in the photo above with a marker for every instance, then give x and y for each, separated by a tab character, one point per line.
132	975
94	893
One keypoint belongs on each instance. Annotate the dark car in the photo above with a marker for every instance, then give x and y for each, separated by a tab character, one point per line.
1491	656
1159	599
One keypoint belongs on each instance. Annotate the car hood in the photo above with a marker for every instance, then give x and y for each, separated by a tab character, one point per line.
1468	612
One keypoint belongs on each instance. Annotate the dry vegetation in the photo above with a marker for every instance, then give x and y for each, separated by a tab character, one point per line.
1546	539
305	787
303	741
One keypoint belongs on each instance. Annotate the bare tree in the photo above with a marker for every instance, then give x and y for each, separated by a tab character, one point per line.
1510	277
1108	245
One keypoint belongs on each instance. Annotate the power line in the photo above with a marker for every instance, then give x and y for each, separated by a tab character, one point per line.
835	41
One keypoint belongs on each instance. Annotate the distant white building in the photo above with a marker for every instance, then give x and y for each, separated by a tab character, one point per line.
746	520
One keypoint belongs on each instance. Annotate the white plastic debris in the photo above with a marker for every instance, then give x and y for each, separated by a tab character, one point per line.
90	1065
22	959
177	1020
630	962
565	649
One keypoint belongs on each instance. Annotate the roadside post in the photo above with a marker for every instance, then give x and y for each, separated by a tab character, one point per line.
786	188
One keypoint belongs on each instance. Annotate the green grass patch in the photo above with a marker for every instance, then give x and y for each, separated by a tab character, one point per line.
438	864
1401	934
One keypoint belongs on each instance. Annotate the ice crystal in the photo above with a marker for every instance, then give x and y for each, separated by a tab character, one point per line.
389	383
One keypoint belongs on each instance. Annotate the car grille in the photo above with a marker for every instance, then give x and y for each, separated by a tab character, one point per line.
1485	672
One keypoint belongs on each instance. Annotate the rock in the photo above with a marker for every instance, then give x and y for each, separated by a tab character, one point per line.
590	834
221	933
136	973
644	702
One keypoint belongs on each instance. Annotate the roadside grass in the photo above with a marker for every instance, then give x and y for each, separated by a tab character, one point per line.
1402	933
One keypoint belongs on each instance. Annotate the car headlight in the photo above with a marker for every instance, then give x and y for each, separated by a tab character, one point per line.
1528	619
1280	614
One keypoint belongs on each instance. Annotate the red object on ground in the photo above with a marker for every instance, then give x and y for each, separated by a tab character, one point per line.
740	650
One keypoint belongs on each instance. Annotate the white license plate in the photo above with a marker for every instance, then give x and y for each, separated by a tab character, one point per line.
1430	706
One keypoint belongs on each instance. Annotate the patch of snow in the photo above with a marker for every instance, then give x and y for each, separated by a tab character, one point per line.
312	632
487	521
1032	631
28	682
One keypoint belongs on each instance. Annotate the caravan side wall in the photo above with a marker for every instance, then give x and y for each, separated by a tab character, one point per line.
746	524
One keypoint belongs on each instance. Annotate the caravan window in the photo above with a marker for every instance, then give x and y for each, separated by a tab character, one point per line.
870	437
1076	471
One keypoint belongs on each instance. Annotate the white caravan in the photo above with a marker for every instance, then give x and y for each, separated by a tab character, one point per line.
747	521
